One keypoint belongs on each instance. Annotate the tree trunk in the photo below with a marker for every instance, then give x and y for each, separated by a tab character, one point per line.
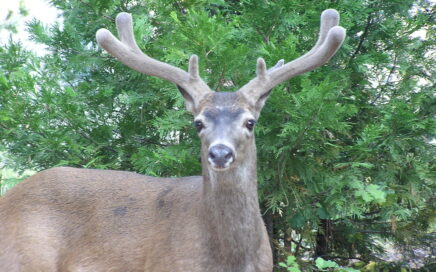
323	238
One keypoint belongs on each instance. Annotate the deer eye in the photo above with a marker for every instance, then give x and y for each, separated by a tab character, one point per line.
198	125
250	124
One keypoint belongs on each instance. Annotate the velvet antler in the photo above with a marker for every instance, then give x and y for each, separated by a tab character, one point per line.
127	51
330	39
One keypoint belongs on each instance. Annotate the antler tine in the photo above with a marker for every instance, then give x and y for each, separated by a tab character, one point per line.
278	65
329	19
330	39
193	68
128	52
261	71
125	30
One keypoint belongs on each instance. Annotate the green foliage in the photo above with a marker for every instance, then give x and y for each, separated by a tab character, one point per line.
8	177
324	264
327	265
345	153
291	264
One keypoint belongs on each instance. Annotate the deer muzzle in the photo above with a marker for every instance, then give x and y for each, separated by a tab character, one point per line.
220	156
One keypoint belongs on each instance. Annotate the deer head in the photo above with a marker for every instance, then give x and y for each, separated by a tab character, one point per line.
224	120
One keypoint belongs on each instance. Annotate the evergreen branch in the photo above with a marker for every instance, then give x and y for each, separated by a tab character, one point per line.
303	131
362	37
329	257
388	80
92	8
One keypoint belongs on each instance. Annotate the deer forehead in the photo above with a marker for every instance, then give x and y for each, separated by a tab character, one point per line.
224	107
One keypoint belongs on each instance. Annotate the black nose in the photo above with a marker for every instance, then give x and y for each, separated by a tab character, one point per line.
220	155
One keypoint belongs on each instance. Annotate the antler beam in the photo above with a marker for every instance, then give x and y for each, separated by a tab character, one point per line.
127	51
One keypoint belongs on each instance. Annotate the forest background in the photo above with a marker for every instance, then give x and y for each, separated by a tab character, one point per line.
346	153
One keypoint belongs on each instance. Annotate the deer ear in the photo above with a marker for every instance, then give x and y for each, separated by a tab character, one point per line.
189	101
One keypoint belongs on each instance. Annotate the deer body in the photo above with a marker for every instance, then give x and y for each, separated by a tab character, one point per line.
67	219
72	219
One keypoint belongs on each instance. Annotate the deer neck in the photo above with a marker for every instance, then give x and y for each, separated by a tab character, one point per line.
230	208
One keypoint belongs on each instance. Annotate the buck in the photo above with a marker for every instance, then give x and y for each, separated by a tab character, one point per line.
68	219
